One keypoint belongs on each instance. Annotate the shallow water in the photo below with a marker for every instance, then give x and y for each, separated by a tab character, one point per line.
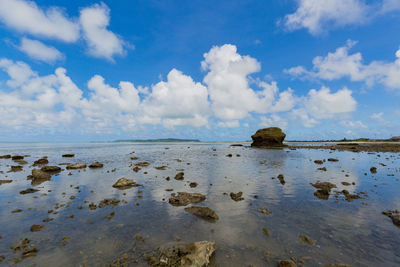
354	233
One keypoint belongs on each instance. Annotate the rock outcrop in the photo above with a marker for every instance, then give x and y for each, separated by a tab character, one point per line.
268	137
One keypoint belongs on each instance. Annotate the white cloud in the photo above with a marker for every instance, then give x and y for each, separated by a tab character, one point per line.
340	64
37	50
323	104
27	17
273	121
228	85
378	117
305	119
178	101
101	42
319	16
357	125
228	124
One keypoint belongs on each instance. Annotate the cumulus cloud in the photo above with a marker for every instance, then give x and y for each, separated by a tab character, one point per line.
51	101
319	16
273	121
340	64
102	42
356	125
39	51
378	117
27	17
228	84
178	101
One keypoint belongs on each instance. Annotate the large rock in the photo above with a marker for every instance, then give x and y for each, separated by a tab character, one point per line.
195	254
268	137
125	183
184	198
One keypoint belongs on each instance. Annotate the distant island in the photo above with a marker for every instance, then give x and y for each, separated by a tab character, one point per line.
166	140
365	140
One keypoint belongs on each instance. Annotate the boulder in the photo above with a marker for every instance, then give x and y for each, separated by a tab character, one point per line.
195	254
50	169
125	183
76	166
96	165
203	213
184	198
268	137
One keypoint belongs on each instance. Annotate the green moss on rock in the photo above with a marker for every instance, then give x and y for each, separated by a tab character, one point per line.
268	137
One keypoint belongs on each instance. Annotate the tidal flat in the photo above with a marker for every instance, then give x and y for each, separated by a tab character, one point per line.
61	204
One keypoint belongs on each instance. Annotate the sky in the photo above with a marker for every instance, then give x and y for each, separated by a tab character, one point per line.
79	71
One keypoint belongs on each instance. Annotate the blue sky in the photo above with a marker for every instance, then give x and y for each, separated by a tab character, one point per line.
210	70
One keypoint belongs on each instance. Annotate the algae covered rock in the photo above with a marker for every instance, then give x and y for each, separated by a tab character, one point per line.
268	137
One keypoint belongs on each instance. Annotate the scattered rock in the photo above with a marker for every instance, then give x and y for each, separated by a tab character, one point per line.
179	176
28	191
125	183
306	240
5	181
15	169
281	179
322	169
346	183
193	184
184	198
16	211
17	157
41	161
52	169
237	196
96	165
203	212
136	169
373	169
318	161
68	155
268	137
333	160
236	145
264	211
349	197
142	164
286	263
195	254
324	189
5	157
394	215
265	231
161	168
37	227
76	166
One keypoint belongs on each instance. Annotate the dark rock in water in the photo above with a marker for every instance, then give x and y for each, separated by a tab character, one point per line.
204	213
161	168
68	155
28	191
41	161
394	215
136	169
96	165
268	137
324	189
5	181
17	157
37	227
76	166
184	198
237	196
5	157
193	184
318	161
179	176
15	169
195	254
306	240
236	145
286	263
333	160
142	164
125	183
373	169
322	169
264	211
50	169
265	231
349	197
40	174
281	179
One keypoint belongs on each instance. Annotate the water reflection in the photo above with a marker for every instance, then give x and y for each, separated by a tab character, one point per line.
350	232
